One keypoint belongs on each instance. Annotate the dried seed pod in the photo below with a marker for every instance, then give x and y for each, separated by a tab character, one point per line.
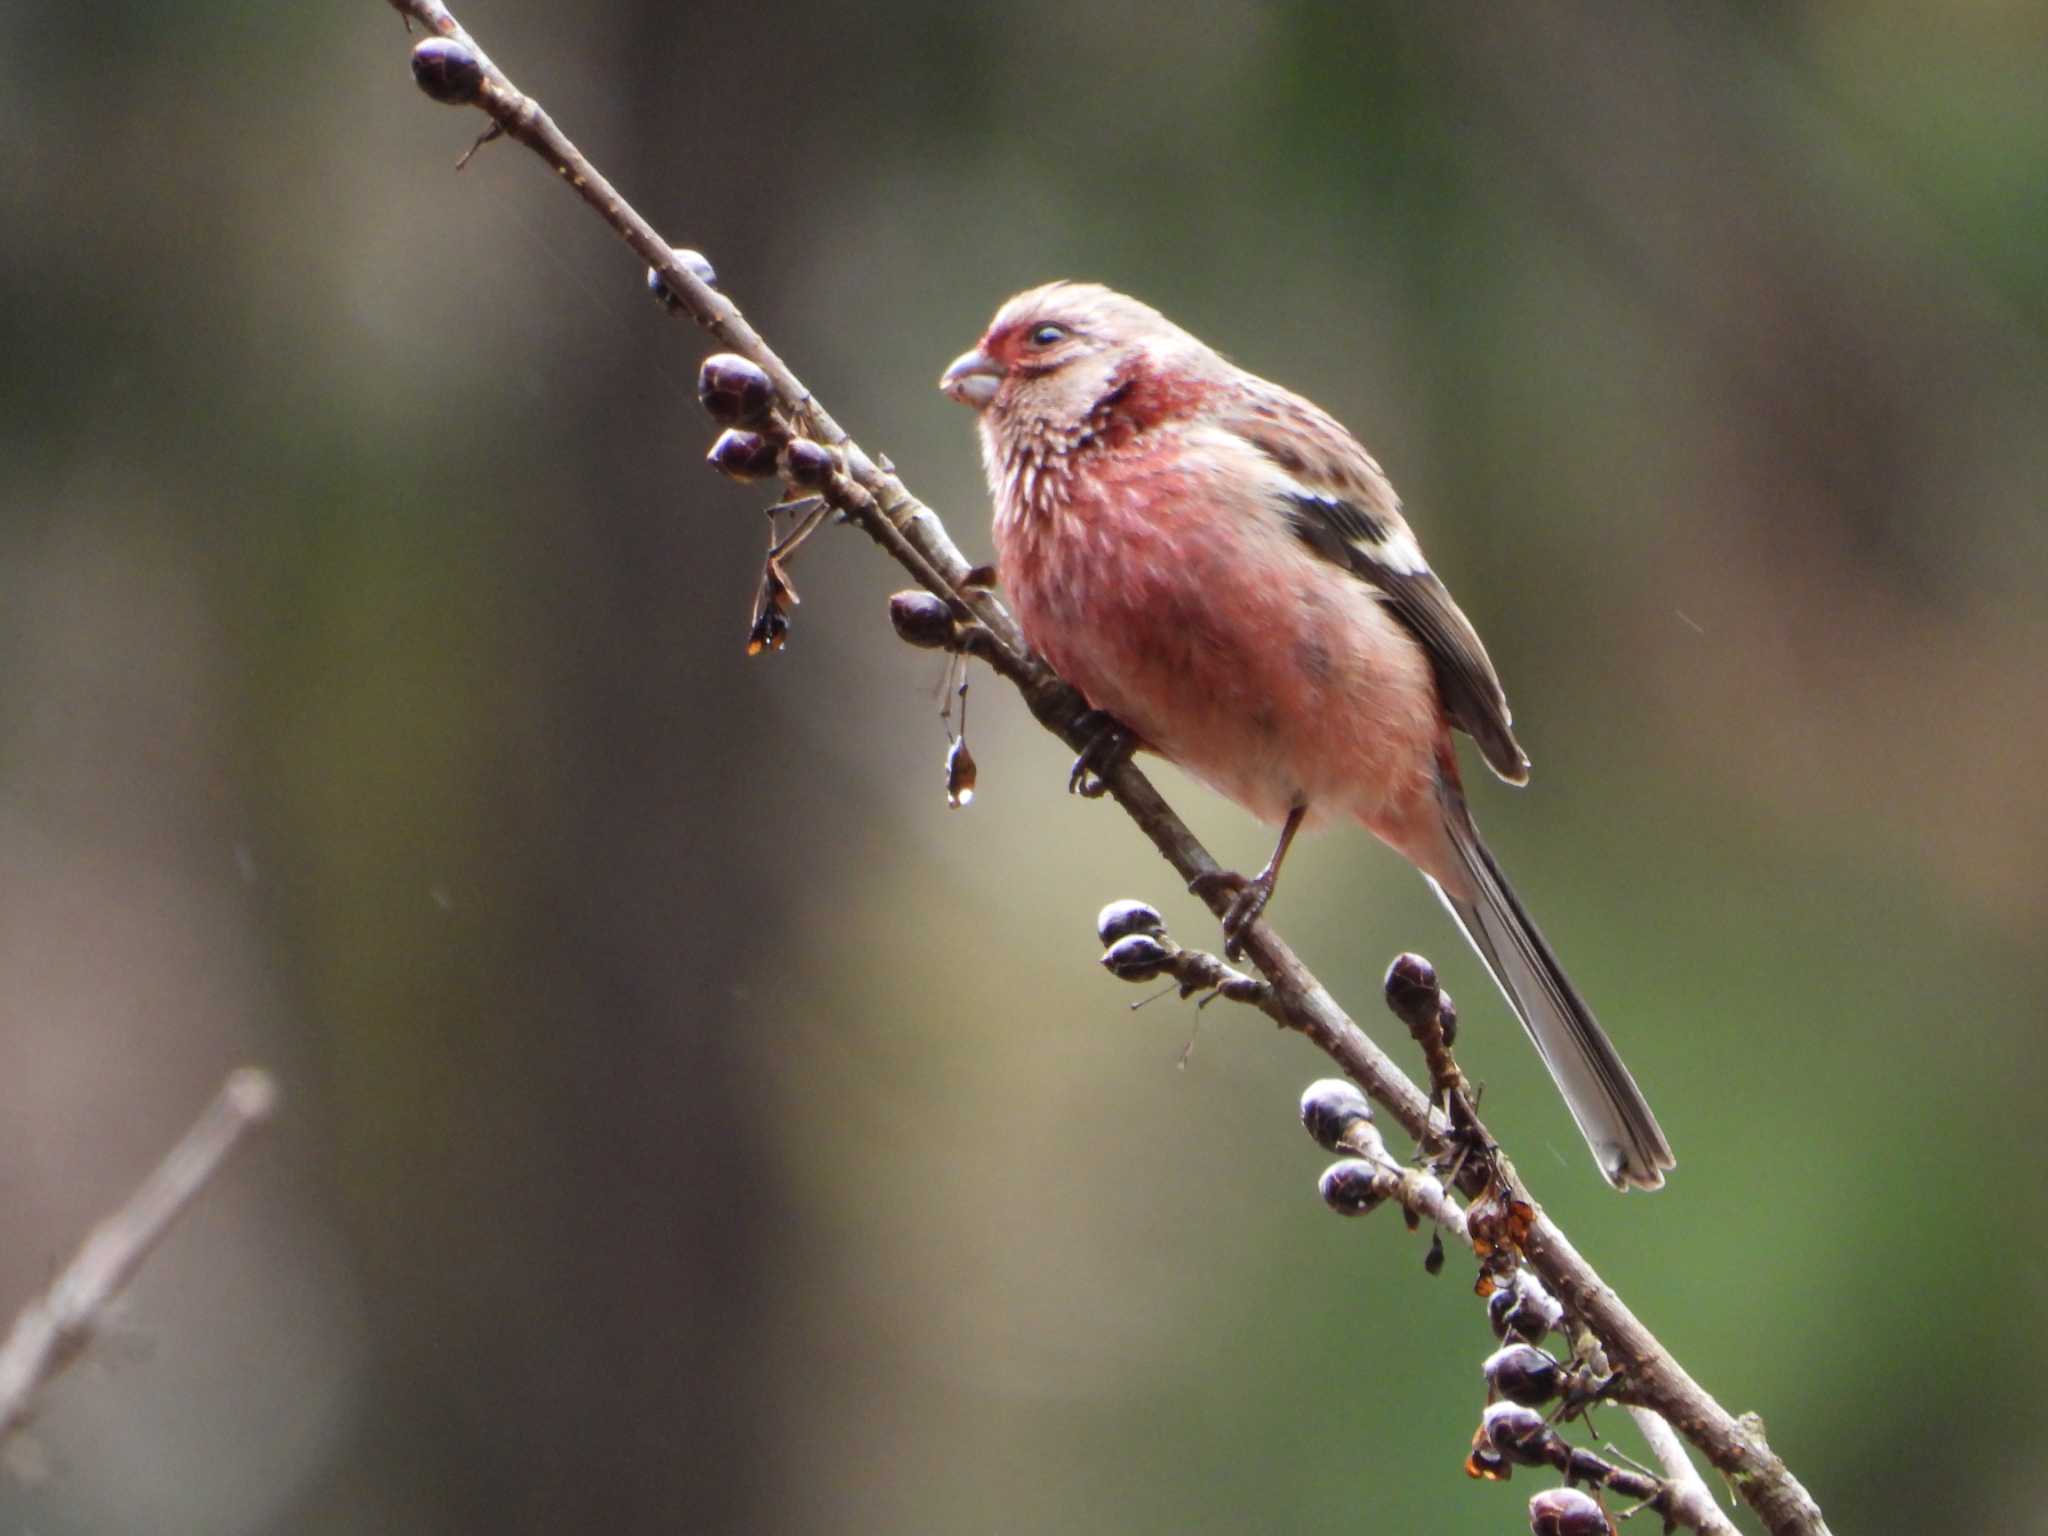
734	390
698	267
742	455
1350	1187
959	775
770	631
1121	919
447	71
771	611
1330	1107
1136	957
922	620
1500	1224
1523	1374
808	465
1567	1512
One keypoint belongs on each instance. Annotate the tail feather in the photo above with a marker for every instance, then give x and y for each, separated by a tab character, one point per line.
1610	1110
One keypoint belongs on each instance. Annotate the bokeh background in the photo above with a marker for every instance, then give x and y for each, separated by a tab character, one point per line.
691	1123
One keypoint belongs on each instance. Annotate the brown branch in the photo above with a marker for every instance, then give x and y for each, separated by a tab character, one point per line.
54	1329
874	499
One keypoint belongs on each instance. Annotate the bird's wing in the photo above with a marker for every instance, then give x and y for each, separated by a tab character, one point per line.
1340	504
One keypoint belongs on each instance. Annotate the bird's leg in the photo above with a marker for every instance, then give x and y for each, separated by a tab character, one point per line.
1110	745
1253	894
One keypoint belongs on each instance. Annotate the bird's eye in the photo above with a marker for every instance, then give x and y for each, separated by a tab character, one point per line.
1048	334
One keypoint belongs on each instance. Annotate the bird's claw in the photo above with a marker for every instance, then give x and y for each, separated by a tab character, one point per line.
1110	745
1249	898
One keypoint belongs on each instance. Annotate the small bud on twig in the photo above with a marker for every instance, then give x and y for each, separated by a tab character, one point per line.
447	71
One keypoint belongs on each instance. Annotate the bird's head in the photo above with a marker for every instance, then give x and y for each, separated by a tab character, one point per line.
1056	356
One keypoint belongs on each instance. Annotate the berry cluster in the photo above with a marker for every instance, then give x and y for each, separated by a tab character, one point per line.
1530	1390
1139	949
759	443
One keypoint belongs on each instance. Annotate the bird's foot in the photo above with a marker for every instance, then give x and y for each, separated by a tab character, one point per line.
1248	899
1110	745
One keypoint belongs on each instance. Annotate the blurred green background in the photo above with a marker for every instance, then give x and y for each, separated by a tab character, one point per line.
691	1124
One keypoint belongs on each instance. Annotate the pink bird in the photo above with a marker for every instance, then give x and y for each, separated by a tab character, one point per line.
1223	571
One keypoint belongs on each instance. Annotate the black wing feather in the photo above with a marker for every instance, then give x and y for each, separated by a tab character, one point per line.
1351	535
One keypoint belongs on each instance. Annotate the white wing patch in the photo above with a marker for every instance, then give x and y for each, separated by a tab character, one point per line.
1382	541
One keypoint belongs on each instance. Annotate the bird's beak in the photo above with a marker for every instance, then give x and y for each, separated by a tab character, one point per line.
973	379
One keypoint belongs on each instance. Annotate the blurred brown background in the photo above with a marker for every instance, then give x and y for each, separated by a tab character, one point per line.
693	1125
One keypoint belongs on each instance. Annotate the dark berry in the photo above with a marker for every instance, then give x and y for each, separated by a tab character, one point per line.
1518	1433
1567	1512
808	466
1136	957
922	620
1349	1187
1412	990
734	391
1499	1306
1330	1107
1523	1374
1121	919
697	267
1522	1309
447	71
742	455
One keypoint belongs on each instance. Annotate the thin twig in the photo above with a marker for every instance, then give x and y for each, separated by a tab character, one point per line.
1692	1502
54	1329
875	500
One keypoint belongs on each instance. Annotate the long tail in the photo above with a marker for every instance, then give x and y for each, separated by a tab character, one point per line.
1611	1112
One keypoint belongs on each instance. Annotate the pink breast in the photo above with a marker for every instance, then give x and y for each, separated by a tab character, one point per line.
1232	650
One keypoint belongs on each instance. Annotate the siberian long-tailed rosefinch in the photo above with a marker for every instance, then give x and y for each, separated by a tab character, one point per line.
1222	569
